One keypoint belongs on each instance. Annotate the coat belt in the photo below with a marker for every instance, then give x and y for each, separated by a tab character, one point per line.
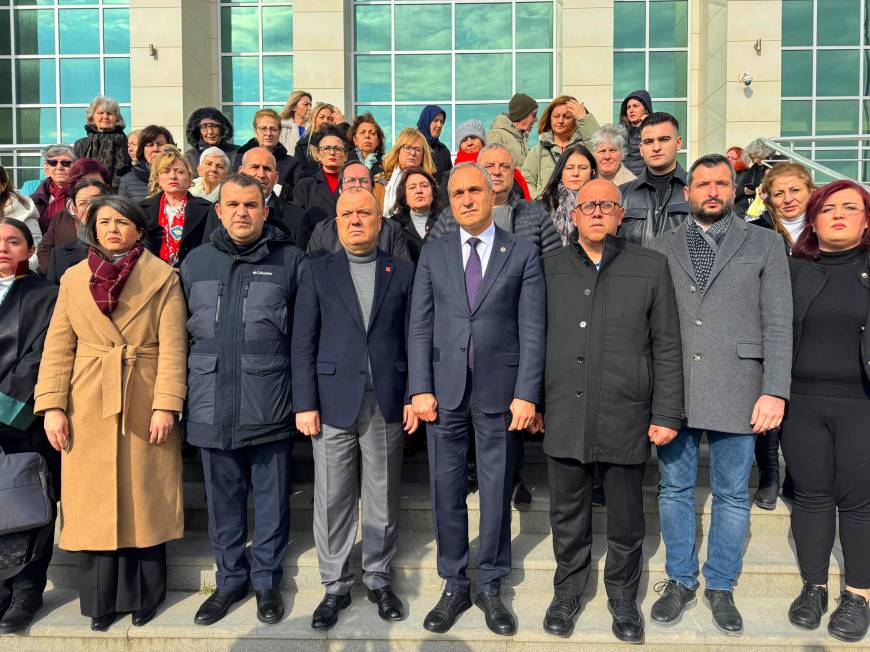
117	364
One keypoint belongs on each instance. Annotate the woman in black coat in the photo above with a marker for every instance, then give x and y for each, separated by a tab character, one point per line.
26	304
106	141
317	196
824	434
418	204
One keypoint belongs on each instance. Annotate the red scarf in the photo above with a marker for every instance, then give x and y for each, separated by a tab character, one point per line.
108	279
171	230
58	198
519	179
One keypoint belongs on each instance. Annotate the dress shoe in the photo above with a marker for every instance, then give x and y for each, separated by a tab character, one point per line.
850	619
444	614
676	599
389	605
144	616
807	609
217	605
627	621
102	623
522	496
725	615
766	495
499	620
17	617
270	606
598	498
326	614
559	619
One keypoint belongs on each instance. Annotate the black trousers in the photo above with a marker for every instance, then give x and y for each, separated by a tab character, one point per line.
571	522
826	442
121	581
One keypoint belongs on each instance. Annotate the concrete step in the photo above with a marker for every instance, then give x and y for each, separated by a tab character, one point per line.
59	627
415	511
769	565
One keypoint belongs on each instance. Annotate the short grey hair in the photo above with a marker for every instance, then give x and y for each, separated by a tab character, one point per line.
496	147
58	150
612	134
756	149
476	166
111	105
208	152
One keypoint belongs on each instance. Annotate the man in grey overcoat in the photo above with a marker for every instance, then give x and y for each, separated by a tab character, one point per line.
734	298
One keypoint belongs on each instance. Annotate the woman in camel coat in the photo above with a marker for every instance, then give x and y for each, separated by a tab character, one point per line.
112	382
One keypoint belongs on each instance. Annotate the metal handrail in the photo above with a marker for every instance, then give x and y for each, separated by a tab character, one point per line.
788	145
803	160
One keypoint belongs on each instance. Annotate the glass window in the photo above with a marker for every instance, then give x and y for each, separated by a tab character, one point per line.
35	81
116	31
373	78
278	30
72	124
242	118
667	74
482	76
117	70
5	33
372	28
5	126
483	26
34	32
677	109
533	25
797	73
277	78
796	117
384	116
837	72
535	73
628	73
240	79
422	27
79	31
836	117
838	22
36	126
421	77
240	29
79	80
629	25
669	24
797	23
5	81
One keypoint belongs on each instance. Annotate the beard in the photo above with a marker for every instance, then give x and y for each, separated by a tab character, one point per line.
707	216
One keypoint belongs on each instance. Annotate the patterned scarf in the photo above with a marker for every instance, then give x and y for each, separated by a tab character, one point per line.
562	215
703	246
108	279
171	220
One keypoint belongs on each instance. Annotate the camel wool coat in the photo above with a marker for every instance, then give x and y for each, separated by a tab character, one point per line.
109	374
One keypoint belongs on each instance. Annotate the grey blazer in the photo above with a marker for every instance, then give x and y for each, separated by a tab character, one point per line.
737	340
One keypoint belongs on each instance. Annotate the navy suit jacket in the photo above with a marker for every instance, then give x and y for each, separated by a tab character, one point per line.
509	325
330	346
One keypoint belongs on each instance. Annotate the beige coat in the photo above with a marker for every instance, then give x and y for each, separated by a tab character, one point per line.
117	490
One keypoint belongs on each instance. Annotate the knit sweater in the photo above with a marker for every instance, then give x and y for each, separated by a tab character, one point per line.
362	273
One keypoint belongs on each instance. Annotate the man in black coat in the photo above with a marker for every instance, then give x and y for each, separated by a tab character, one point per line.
613	384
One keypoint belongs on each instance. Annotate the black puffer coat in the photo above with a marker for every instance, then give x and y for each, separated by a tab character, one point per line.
198	145
633	160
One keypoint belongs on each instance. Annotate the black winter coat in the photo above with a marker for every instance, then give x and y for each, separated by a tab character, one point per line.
316	199
614	354
644	218
193	235
633	160
62	258
241	312
194	137
289	170
391	240
134	184
415	240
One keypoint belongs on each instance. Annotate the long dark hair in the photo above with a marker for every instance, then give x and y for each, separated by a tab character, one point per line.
126	207
402	197
8	191
21	226
807	245
550	195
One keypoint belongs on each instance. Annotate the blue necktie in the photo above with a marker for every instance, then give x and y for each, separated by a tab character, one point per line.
473	279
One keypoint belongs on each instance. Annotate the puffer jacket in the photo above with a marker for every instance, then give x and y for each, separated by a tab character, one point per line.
134	184
542	158
644	218
633	160
198	146
241	312
503	132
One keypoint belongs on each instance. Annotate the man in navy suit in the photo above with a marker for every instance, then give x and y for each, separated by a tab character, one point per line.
476	350
350	370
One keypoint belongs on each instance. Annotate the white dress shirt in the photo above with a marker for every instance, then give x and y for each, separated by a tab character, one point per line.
484	247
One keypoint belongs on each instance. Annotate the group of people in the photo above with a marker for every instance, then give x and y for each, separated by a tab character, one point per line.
587	288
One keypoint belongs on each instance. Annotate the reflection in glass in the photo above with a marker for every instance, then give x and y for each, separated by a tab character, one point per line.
422	77
373	78
116	31
534	25
79	80
34	32
422	27
838	22
796	118
482	76
677	109
79	31
797	22
628	73
35	80
239	29
118	78
241	79
72	124
242	118
838	73
535	73
384	116
5	33
36	126
669	24
484	26
668	72
5	126
278	30
797	73
372	28
277	78
5	81
836	117
629	25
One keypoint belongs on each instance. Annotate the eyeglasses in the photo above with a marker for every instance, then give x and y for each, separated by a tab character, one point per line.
210	126
606	207
268	130
348	182
332	149
412	150
52	162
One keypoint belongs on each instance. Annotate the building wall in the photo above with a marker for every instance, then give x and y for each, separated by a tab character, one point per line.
587	54
319	60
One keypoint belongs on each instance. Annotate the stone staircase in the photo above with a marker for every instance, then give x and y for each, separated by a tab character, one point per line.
769	582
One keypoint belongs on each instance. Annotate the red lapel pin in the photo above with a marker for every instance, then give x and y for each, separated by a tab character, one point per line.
388	269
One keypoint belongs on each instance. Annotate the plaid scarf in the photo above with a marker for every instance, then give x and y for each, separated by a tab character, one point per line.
108	279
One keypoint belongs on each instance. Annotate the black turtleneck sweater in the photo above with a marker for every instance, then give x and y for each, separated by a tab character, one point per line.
661	182
828	361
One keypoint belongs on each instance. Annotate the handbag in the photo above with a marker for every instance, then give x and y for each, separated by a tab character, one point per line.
25	503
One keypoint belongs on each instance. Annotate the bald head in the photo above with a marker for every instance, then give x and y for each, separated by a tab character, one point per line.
358	220
598	190
598	214
260	163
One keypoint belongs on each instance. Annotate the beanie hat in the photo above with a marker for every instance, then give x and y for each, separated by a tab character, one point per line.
470	128
520	106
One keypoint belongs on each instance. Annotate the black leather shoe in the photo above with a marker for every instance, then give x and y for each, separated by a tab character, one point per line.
598	497
850	619
522	496
16	617
499	620
102	623
725	615
144	616
559	619
217	605
326	614
766	495
807	609
270	606
676	599
444	614
389	605
627	621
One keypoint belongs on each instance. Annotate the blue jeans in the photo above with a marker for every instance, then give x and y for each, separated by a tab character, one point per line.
730	464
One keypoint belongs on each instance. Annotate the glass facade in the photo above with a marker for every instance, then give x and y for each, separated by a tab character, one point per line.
467	57
256	44
650	51
826	77
55	56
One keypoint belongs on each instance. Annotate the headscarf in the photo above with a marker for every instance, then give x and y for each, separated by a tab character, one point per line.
430	112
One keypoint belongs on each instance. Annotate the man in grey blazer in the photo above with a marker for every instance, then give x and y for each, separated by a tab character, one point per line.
475	351
734	299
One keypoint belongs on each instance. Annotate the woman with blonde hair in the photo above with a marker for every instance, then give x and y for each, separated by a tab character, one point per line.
293	117
176	219
786	190
565	121
321	115
409	151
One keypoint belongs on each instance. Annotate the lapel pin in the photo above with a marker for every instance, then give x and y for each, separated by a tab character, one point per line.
388	269
863	274
503	249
